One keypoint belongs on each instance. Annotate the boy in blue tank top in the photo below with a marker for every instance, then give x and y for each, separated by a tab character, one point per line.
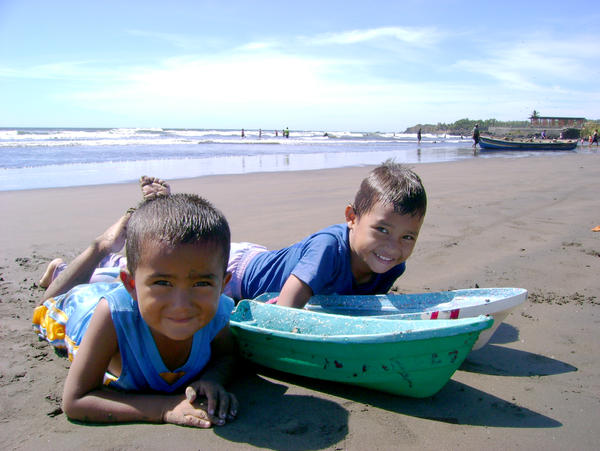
163	329
364	255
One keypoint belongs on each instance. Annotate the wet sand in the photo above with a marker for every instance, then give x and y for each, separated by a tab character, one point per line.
491	222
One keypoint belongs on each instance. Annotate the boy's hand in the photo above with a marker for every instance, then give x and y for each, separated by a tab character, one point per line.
222	405
185	414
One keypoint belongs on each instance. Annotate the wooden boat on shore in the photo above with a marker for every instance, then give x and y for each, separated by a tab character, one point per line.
495	302
488	143
405	357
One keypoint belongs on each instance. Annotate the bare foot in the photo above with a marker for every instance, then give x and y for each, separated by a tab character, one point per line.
46	279
153	187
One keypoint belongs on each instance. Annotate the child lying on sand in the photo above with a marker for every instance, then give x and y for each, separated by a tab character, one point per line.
365	255
162	329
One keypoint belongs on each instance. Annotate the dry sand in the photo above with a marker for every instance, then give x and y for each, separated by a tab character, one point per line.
491	222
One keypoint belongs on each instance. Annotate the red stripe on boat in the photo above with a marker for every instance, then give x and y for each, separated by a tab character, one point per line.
454	313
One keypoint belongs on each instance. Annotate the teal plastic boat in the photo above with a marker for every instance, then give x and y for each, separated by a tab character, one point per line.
405	357
465	303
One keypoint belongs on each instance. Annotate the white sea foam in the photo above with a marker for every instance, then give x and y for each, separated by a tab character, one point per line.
166	137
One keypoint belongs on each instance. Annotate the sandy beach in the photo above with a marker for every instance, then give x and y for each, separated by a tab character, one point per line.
523	222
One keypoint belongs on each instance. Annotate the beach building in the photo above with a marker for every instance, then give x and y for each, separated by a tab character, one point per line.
551	126
556	122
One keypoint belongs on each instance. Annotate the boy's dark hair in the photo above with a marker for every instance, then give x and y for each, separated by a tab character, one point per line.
176	219
391	183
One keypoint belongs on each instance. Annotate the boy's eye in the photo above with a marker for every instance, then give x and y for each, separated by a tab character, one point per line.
408	237
163	283
382	229
202	283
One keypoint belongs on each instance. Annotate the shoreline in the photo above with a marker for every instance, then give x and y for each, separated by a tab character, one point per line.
522	222
124	164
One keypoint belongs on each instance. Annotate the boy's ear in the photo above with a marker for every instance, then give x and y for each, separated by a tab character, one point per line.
129	283
226	280
350	216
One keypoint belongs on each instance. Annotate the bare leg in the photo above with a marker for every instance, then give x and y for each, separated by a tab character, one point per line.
46	279
153	187
81	269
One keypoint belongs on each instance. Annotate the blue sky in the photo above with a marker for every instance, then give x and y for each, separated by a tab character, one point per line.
322	65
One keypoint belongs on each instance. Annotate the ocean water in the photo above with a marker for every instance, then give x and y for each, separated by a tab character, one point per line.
33	158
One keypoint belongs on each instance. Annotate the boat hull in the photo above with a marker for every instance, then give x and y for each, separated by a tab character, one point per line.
504	144
494	302
405	357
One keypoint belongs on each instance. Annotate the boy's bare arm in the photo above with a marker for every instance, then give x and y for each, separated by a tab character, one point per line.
81	269
294	293
84	398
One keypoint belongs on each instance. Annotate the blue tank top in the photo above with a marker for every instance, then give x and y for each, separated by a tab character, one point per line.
142	365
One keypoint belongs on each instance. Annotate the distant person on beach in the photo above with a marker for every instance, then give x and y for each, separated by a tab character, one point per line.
276	132
286	133
419	136
475	135
364	255
594	137
136	345
260	133
543	135
243	133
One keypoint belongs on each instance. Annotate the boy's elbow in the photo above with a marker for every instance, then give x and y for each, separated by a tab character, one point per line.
71	409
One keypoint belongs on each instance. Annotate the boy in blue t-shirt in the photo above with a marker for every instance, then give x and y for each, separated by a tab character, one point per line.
163	329
365	255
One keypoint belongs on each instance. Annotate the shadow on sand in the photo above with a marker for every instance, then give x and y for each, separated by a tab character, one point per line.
270	418
501	361
505	333
267	406
456	403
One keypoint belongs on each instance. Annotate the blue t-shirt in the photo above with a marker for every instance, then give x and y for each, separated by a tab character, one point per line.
322	261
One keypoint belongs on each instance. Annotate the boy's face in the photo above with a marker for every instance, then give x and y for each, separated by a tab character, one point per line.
177	288
380	239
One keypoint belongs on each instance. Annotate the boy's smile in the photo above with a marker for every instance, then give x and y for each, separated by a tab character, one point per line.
380	239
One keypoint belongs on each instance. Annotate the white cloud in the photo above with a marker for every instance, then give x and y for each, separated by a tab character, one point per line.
256	82
538	63
63	70
418	37
252	46
263	86
233	79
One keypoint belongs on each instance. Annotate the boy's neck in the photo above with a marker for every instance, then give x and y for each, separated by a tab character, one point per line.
174	354
359	274
364	279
